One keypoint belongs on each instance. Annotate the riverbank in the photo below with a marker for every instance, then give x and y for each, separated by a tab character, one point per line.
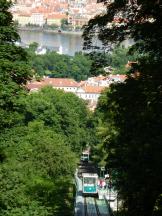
39	29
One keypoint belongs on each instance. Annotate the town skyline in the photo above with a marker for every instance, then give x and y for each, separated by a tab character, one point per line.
40	12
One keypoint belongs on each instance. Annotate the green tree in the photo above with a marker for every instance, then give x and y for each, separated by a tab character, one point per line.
56	65
33	46
132	111
80	67
99	61
120	57
117	59
64	24
64	112
36	177
14	71
36	164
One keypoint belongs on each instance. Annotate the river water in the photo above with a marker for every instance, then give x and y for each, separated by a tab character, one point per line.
65	43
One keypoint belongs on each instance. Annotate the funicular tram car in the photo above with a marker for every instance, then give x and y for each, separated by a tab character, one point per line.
89	184
85	155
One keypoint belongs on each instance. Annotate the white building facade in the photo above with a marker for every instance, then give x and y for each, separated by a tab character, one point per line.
89	90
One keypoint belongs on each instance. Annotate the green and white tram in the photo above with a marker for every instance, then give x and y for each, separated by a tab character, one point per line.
89	183
85	155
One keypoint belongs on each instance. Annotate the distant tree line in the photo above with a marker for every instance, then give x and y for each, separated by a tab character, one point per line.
80	66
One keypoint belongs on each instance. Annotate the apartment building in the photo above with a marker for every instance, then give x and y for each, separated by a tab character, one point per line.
88	90
55	19
67	85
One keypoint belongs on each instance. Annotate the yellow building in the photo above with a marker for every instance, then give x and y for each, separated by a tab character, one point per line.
55	19
23	19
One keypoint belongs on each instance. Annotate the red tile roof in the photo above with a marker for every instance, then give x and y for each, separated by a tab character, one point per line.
57	16
61	82
55	82
93	89
35	85
82	83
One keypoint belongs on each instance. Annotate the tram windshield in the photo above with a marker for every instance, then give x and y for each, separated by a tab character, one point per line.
89	180
85	157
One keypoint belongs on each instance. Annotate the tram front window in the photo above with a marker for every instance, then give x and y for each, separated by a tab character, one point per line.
89	181
85	157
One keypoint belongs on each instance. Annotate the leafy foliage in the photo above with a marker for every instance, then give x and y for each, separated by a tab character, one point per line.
65	113
14	72
80	66
39	135
64	24
37	170
38	155
132	143
62	66
131	112
116	60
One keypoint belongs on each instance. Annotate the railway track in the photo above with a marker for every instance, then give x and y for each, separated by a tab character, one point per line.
95	207
103	208
90	207
86	167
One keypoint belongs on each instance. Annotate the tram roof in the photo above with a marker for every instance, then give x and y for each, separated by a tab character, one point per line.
86	151
89	175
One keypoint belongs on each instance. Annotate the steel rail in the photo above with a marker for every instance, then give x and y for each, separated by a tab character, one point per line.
93	209
97	209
